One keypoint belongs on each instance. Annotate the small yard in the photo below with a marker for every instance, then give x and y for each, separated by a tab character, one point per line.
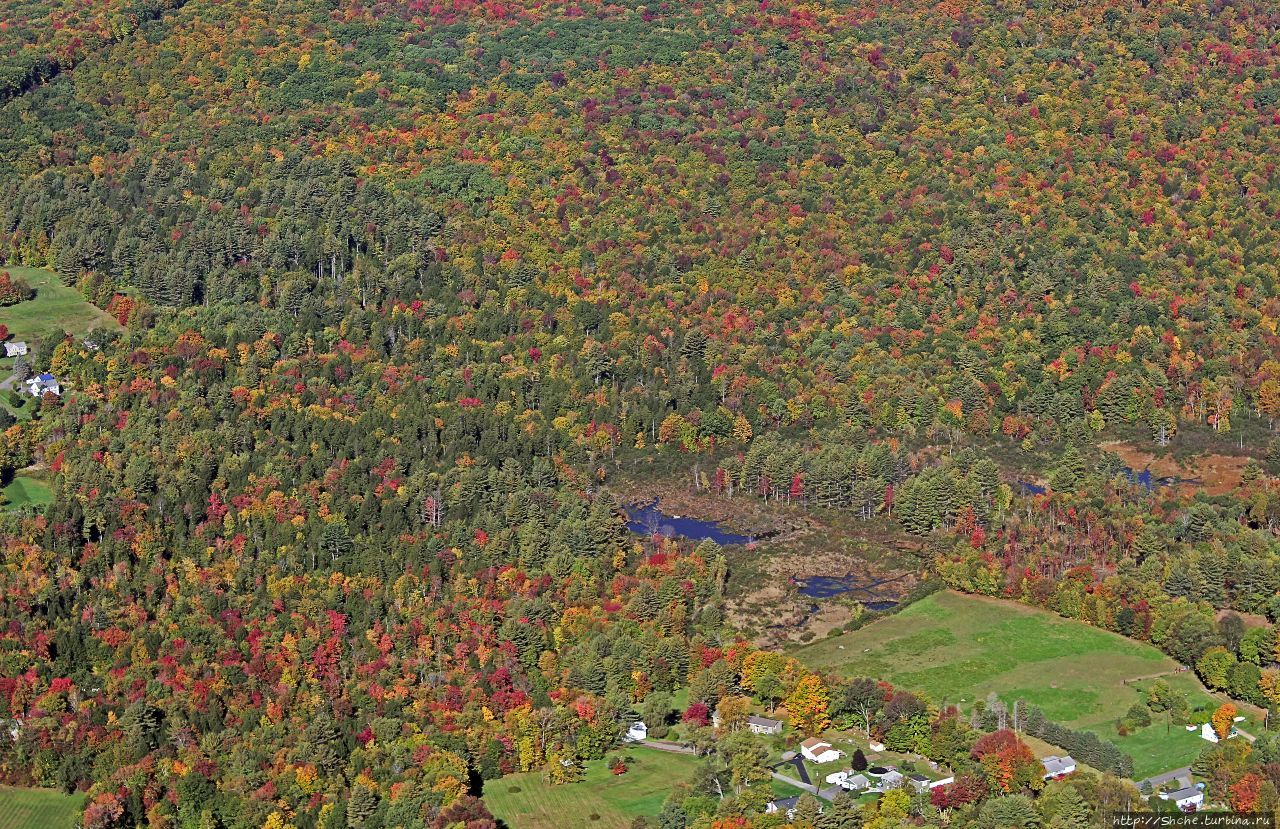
527	801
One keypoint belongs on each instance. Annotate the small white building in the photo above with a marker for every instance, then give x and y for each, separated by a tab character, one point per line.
891	779
1188	799
638	732
1207	733
15	349
819	751
874	746
1058	766
918	782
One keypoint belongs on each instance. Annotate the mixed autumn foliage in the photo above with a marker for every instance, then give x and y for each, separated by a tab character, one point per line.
403	281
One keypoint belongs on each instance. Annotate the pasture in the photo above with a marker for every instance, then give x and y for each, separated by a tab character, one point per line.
958	648
601	800
38	809
54	310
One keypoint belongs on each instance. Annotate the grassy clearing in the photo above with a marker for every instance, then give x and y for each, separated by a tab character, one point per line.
54	310
527	801
38	809
27	490
959	648
1164	745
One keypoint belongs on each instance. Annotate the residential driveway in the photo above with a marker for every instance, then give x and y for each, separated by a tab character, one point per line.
1168	777
798	764
828	793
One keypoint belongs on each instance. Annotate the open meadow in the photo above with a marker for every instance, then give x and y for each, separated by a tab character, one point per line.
37	809
958	648
26	490
527	801
54	310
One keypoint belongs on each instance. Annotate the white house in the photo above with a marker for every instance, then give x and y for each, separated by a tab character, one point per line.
1057	766
1188	799
1207	733
849	781
15	349
637	733
39	385
819	751
874	746
891	779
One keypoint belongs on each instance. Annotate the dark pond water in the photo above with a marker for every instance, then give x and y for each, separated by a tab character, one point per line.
1143	478
647	519
824	587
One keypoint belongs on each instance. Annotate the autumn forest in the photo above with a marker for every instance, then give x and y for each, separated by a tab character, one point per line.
396	305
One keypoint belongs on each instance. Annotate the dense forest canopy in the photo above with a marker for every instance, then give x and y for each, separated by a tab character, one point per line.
403	285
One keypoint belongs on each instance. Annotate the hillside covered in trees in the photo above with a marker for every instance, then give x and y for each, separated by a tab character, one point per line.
408	289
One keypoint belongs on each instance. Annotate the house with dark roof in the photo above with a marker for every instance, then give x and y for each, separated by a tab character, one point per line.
1188	798
787	806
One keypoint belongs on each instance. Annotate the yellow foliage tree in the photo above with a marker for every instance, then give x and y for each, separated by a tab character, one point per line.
1222	720
808	705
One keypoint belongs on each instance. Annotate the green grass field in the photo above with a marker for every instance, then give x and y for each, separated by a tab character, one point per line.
958	648
616	799
38	809
55	309
27	490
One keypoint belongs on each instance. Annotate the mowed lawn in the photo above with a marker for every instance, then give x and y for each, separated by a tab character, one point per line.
527	801
958	648
27	490
54	310
38	809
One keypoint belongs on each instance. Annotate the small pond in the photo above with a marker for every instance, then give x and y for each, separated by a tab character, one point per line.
647	519
824	587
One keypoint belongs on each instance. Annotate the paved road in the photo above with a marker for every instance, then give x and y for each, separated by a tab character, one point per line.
1168	776
828	793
